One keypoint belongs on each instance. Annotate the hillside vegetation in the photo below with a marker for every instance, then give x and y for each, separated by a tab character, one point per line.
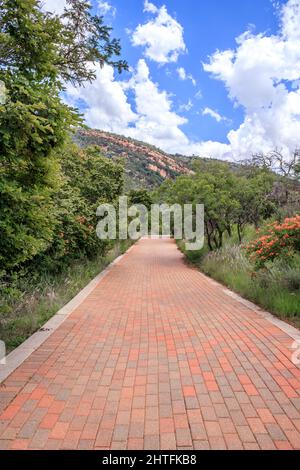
145	165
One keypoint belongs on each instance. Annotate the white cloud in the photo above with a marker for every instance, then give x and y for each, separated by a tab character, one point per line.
184	76
105	7
265	85
149	7
104	100
157	123
54	6
291	19
214	114
106	106
187	106
261	75
162	36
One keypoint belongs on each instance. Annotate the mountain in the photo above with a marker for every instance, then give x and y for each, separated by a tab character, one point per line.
145	165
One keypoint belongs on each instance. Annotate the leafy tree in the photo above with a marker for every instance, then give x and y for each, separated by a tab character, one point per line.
38	52
254	198
88	179
41	45
230	199
140	196
86	39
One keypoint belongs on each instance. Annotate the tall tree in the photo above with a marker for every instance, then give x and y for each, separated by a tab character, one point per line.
39	52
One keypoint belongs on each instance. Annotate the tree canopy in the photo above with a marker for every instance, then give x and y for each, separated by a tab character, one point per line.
39	53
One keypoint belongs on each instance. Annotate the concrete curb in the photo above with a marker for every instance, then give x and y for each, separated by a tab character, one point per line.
22	352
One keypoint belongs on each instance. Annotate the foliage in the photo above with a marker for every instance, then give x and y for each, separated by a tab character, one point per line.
88	180
41	45
38	51
33	125
140	196
86	39
280	240
229	198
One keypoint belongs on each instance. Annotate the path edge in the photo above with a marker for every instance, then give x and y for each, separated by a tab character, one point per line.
16	357
290	330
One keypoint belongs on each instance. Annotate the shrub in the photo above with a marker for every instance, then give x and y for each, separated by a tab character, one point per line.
88	180
280	240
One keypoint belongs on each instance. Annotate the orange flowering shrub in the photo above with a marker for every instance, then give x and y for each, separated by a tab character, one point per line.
278	241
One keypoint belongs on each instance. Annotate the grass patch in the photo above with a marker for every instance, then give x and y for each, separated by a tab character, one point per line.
32	299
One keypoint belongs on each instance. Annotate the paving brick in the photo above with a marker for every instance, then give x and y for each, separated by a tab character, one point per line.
183	437
59	431
168	441
139	364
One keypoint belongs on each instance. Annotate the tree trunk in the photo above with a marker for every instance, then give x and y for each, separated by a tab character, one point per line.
229	231
208	237
239	233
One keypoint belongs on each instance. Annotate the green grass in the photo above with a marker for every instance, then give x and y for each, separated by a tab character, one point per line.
276	289
30	301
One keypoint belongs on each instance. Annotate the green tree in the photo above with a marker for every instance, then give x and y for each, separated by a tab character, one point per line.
254	197
140	196
38	52
230	198
88	179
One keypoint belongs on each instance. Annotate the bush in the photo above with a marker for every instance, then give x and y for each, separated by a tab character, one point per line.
88	180
280	240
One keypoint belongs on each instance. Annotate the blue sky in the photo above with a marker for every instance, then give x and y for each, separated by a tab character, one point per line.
208	26
216	78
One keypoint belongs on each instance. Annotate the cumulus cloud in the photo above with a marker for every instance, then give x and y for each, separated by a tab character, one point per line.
214	114
185	76
105	7
162	36
104	101
290	20
106	106
266	85
54	6
149	7
157	122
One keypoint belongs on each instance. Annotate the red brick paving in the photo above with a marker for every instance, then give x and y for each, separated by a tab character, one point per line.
156	357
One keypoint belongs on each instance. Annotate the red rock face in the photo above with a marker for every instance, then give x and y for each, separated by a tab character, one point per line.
160	162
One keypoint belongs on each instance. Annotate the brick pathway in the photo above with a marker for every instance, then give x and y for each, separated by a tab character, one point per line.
156	357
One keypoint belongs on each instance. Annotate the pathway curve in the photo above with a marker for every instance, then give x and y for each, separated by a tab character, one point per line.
157	356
